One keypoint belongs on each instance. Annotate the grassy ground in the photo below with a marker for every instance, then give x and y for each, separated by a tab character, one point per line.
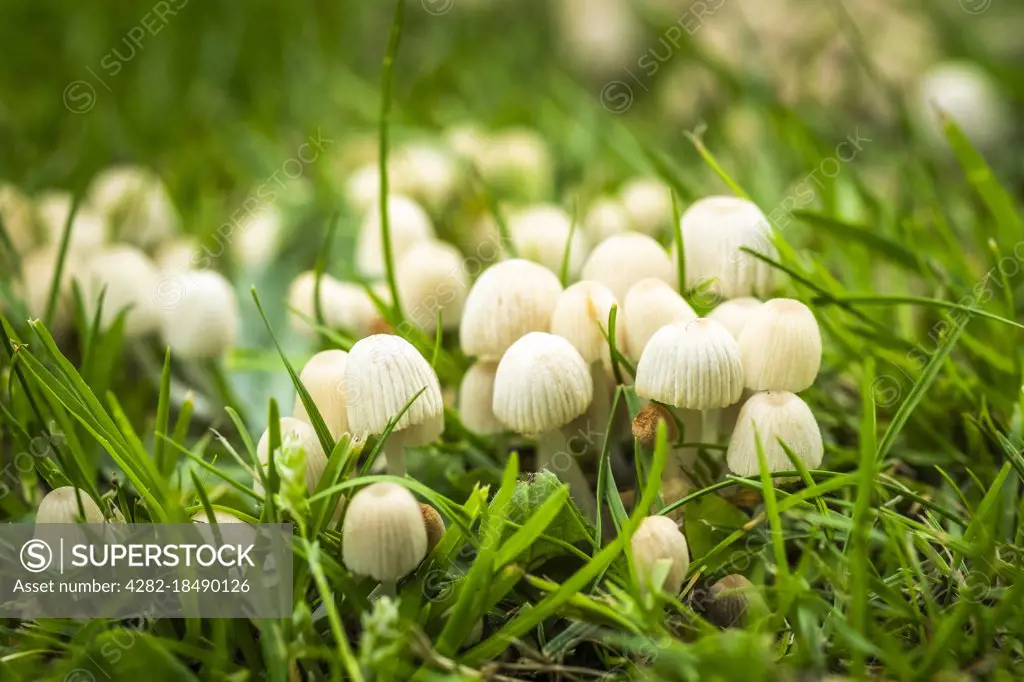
899	559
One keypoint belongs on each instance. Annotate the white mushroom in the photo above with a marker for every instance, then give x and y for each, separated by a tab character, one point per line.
734	314
657	542
780	347
323	375
132	282
408	224
432	278
296	433
648	203
650	304
772	417
383	534
624	259
541	234
476	395
68	505
203	322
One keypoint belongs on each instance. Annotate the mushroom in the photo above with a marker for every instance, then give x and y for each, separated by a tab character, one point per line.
476	395
432	278
969	95
383	373
542	384
219	516
425	172
383	534
540	234
510	299
434	525
715	230
323	375
774	416
68	505
656	542
734	314
344	305
88	230
650	304
16	210
203	321
37	271
259	242
729	600
605	217
622	260
648	204
299	434
134	202
518	161
408	224
780	347
131	281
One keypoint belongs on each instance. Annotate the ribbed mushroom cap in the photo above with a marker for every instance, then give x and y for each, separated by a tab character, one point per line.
715	230
540	234
382	374
408	223
780	347
61	506
605	217
728	601
659	539
432	277
734	314
476	397
201	319
648	203
302	435
383	534
624	259
694	365
650	304
510	299
580	314
777	415
542	383
324	378
344	305
131	280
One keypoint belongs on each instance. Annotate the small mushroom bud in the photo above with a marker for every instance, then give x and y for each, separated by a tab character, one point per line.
432	279
780	347
540	234
383	534
324	378
774	416
434	524
658	540
61	505
203	321
132	282
301	435
729	600
344	305
645	425
624	259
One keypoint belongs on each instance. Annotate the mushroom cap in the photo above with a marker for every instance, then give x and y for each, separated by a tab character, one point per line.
540	234
302	435
658	538
37	270
715	230
694	365
362	187
323	375
134	201
383	534
581	312
60	505
16	210
645	425
203	322
425	172
219	515
88	231
648	204
734	314
542	383
432	277
510	299
781	347
434	525
624	259
176	255
476	397
383	373
257	244
131	279
344	305
650	304
408	224
968	95
728	599
777	415
518	160
605	217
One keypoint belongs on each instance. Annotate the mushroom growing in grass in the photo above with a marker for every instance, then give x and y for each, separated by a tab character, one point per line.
344	305
131	282
324	378
734	314
68	505
432	278
774	416
624	259
605	217
384	373
540	234
692	365
383	535
660	550
476	398
648	204
731	601
297	434
510	299
780	347
650	305
542	384
434	525
408	224
204	322
715	230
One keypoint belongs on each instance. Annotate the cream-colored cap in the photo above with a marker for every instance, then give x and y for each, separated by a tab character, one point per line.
345	306
382	374
432	278
693	365
408	224
777	415
132	281
715	230
540	234
519	161
508	300
648	203
476	397
201	319
542	383
581	313
323	375
605	217
383	535
650	304
60	505
734	314
135	204
425	172
37	271
624	259
299	434
88	231
658	540
17	209
781	347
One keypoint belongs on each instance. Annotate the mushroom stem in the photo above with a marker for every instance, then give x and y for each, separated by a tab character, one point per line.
554	454
710	420
393	450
